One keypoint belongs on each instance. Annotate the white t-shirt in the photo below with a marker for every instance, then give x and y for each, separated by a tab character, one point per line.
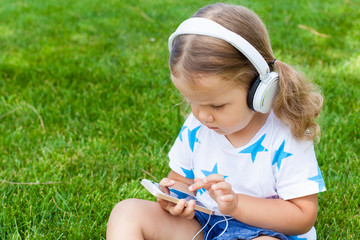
273	164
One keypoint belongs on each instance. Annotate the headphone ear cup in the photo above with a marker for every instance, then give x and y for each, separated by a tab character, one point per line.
262	94
251	94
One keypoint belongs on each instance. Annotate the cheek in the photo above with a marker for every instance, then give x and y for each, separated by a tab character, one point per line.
194	110
245	121
239	119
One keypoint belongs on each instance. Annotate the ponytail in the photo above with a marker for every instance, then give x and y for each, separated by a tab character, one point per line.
298	103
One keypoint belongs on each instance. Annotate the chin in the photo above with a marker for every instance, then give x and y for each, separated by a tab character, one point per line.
221	132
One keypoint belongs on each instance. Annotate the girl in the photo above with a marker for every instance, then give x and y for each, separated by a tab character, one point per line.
246	151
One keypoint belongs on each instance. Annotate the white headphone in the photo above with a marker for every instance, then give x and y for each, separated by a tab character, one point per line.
264	89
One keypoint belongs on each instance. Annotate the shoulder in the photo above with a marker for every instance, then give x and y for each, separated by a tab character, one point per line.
192	132
279	135
193	126
191	121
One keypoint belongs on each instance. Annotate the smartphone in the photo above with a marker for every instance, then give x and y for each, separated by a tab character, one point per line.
174	196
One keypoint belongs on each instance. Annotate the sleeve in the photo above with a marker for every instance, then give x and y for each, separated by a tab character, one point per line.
180	154
297	170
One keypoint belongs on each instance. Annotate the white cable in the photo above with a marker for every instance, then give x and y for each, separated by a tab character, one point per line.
202	227
227	225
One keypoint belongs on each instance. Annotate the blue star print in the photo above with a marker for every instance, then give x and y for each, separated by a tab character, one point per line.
280	154
255	148
179	194
192	137
319	179
180	133
214	171
188	173
207	173
297	238
201	191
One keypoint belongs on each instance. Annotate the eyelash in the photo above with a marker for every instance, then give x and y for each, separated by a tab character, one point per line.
217	107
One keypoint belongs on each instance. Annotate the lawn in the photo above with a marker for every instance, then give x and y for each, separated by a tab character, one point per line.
87	108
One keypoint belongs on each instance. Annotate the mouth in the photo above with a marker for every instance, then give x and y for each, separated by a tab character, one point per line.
212	128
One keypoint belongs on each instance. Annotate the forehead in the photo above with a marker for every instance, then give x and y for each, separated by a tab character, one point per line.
205	89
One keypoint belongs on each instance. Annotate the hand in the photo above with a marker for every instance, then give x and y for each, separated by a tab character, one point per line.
182	208
219	190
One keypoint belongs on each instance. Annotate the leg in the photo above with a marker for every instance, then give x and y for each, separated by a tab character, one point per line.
141	219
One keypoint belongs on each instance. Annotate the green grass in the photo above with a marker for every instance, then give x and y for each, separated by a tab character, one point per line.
87	108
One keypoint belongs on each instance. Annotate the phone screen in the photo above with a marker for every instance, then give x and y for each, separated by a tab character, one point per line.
181	195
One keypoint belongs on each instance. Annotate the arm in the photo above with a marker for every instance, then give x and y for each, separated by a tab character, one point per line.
291	217
181	183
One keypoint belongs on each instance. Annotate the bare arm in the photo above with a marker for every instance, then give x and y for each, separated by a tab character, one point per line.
292	217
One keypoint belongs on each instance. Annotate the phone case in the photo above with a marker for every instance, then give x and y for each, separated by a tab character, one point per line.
174	196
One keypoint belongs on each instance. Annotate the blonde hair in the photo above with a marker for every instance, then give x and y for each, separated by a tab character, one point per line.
298	102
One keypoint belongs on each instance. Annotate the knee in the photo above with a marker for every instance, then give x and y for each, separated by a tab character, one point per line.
124	220
125	208
124	213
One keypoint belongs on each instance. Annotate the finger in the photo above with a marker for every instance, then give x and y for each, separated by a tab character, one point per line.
220	189
206	182
214	178
198	185
222	186
178	208
227	204
227	198
165	183
197	179
165	204
189	210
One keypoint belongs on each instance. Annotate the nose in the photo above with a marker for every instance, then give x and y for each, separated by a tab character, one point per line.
205	116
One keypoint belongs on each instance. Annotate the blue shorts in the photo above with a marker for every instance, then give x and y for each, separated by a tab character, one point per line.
235	230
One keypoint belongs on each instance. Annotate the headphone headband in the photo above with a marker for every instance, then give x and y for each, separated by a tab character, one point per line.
207	27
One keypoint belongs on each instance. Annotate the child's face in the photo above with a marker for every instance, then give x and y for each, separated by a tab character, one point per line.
218	104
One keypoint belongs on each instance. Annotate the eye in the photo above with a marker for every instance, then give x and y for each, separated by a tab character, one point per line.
217	107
